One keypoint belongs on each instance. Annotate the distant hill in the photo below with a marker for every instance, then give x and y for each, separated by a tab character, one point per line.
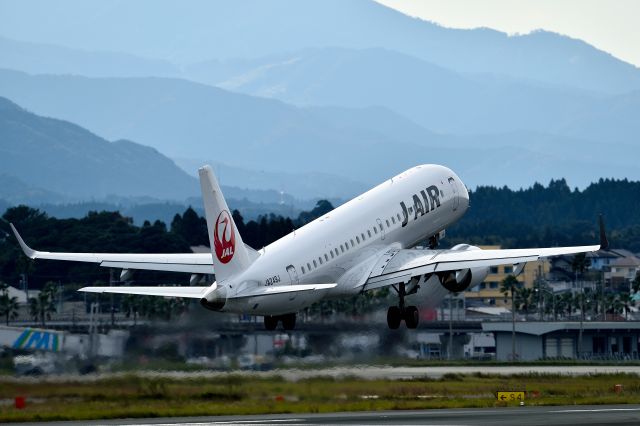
432	96
223	30
14	191
61	157
48	58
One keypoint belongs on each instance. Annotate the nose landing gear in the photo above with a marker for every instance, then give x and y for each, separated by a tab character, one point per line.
396	314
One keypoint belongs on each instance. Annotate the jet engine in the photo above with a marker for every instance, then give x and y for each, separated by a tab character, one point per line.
462	279
215	299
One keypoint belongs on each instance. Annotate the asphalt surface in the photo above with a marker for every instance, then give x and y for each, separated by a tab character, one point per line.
548	416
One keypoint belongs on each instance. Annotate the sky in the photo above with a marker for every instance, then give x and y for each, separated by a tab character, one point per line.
609	25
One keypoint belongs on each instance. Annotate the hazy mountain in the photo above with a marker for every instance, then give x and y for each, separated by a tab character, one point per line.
13	191
61	157
189	120
297	185
51	59
435	97
197	30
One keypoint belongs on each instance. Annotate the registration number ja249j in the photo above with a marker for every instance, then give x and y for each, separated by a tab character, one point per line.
272	280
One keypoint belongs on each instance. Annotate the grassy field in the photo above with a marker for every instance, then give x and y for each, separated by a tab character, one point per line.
133	396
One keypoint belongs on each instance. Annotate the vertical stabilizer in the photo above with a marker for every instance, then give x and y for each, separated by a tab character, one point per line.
230	256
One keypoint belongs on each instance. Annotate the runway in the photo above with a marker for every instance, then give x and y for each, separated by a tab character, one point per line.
525	416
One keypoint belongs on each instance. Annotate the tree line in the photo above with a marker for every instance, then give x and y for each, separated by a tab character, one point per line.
554	215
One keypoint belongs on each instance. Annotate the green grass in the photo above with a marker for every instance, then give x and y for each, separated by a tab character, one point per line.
134	396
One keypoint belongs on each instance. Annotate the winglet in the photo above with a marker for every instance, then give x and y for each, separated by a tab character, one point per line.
604	243
31	253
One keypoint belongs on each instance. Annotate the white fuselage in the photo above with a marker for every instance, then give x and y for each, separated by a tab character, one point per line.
343	246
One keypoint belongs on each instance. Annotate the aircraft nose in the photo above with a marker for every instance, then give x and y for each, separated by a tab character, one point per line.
464	195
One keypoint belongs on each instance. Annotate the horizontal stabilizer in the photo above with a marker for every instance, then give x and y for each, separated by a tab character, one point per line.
186	292
265	291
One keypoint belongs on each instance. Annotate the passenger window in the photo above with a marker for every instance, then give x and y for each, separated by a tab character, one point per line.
302	268
375	230
331	254
326	257
388	226
308	266
320	259
362	236
399	220
341	248
369	233
381	228
393	220
352	245
315	265
357	239
337	253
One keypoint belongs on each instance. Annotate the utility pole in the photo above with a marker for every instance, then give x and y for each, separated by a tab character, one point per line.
513	324
449	350
581	315
113	309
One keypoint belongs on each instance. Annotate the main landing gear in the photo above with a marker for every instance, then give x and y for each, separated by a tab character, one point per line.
288	321
409	314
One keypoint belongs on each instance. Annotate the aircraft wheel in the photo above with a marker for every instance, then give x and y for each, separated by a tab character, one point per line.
394	317
289	321
411	317
270	322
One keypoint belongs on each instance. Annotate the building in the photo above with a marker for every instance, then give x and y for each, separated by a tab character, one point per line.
602	259
621	272
488	292
21	295
552	340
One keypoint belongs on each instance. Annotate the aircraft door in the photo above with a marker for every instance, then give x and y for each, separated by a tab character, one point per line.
380	227
454	189
293	275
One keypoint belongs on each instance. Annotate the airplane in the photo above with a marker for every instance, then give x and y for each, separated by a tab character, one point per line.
365	244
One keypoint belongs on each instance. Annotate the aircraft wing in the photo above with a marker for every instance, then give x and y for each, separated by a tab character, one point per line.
194	263
397	266
179	291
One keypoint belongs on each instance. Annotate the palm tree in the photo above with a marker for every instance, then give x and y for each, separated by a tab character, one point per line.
565	304
509	286
626	301
42	306
579	264
131	305
525	299
635	284
8	305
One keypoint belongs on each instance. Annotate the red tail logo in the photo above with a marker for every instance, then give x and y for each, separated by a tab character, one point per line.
224	237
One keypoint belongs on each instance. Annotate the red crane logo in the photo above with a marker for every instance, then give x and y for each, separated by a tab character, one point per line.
224	237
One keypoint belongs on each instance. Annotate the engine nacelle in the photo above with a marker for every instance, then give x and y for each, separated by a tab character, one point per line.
462	279
215	299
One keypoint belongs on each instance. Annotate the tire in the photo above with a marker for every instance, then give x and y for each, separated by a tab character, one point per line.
289	321
270	322
411	317
394	317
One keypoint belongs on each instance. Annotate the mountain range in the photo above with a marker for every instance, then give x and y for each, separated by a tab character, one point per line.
196	122
54	156
294	101
197	30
